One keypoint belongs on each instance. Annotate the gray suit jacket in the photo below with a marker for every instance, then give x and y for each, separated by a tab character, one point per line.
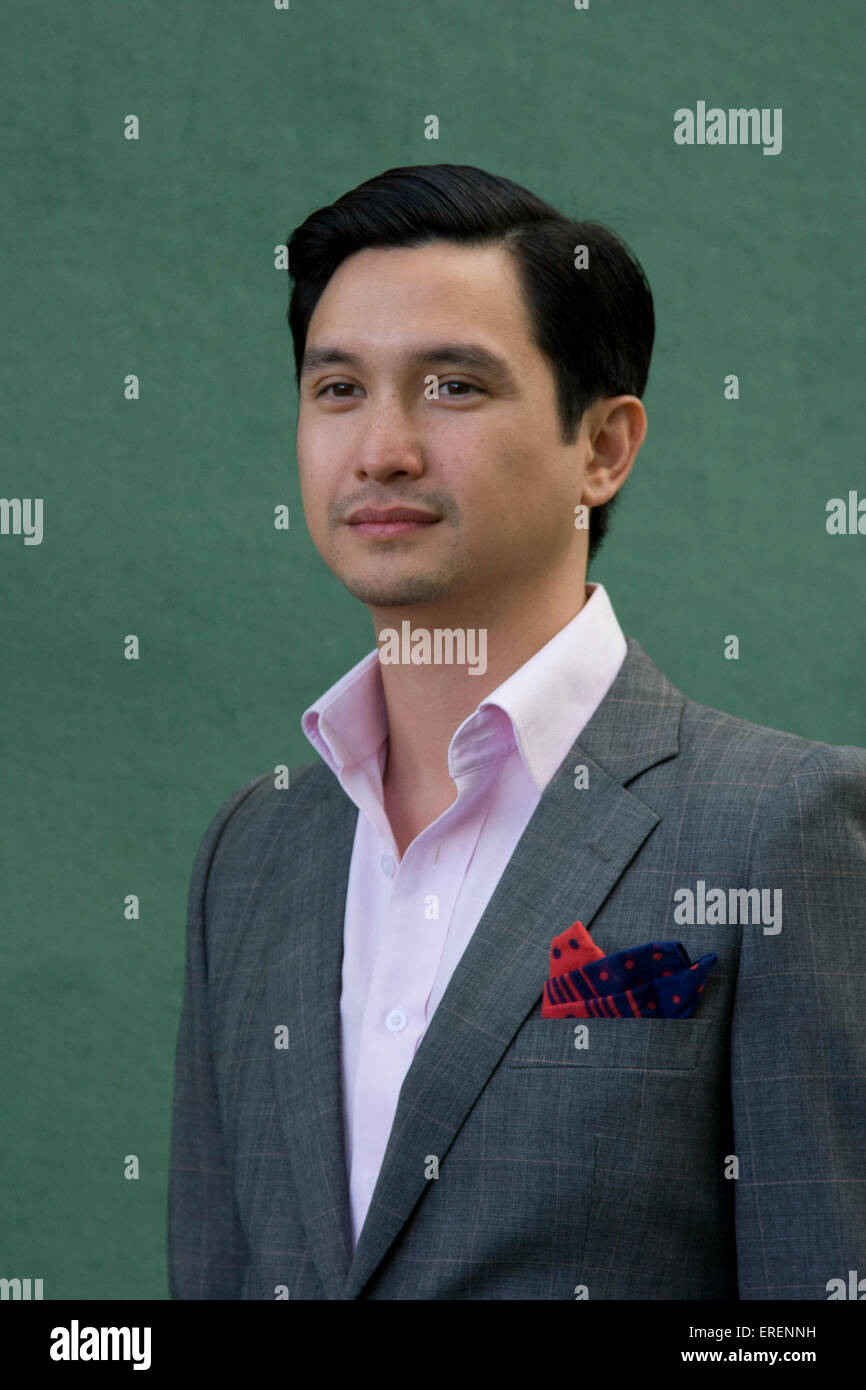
606	1172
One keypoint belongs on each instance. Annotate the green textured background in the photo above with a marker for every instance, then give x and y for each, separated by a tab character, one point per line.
156	257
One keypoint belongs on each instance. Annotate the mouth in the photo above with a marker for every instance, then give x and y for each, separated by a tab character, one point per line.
393	521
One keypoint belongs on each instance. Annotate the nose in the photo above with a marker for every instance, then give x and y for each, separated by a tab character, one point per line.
389	446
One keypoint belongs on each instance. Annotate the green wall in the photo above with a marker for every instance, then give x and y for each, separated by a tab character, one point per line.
156	257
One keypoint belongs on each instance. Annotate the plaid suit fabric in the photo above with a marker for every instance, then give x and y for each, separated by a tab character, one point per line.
519	1166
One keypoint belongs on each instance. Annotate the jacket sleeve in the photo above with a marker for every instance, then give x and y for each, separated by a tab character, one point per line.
797	1041
207	1250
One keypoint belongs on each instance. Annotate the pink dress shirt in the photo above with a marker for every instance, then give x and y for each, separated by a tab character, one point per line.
408	921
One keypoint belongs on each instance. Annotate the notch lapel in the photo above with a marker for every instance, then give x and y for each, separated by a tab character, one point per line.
573	850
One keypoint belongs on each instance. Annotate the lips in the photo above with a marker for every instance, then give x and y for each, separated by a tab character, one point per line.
386	523
390	515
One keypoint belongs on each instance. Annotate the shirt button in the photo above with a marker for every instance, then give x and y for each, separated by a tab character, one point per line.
387	864
396	1021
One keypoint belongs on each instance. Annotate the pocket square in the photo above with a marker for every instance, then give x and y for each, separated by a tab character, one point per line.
653	981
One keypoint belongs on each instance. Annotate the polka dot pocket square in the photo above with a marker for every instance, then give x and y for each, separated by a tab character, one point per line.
653	981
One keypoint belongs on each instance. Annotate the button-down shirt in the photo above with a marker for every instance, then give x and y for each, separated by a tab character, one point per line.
408	921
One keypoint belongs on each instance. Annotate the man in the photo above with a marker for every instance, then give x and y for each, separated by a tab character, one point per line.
382	1091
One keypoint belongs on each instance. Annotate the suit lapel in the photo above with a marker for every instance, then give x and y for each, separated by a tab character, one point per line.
568	859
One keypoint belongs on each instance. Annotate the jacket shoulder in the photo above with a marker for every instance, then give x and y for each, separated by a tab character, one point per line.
247	821
726	741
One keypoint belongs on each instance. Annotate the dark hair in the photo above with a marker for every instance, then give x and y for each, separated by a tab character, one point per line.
595	325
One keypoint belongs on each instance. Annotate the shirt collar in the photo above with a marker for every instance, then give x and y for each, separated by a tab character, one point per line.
553	695
548	700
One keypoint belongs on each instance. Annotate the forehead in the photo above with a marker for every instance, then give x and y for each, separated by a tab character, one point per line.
442	288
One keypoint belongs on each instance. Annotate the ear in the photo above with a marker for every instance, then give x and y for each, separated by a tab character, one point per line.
615	428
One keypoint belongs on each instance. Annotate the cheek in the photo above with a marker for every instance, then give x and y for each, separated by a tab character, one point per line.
323	457
313	459
314	498
310	445
513	461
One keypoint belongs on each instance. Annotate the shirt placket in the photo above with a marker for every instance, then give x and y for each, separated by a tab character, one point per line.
418	906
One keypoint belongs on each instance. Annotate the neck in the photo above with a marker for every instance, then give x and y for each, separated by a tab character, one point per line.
426	703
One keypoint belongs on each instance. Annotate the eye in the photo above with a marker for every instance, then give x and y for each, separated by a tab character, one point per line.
467	386
331	386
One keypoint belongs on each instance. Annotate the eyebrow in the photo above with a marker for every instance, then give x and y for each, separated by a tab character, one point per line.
454	354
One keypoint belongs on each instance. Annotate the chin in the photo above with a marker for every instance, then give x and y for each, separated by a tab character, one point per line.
394	592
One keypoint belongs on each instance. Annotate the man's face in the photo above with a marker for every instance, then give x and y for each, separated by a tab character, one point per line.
485	459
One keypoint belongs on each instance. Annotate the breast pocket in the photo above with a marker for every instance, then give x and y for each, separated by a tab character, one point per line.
641	1044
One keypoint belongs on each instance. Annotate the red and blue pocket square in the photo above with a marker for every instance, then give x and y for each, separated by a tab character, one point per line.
653	981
